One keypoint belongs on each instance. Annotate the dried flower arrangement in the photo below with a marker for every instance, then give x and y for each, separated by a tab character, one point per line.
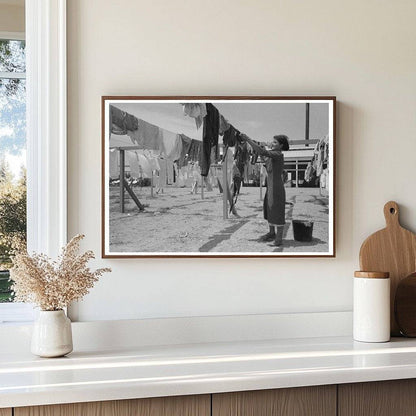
53	285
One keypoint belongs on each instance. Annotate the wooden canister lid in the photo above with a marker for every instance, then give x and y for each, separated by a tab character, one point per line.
372	275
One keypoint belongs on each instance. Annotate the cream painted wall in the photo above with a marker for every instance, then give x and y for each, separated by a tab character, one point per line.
361	51
12	18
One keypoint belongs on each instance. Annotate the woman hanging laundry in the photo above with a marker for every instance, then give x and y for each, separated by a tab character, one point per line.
275	198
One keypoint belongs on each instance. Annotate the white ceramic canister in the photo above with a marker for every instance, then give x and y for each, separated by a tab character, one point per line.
371	313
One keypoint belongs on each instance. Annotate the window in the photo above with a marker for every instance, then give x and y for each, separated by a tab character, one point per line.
45	27
12	155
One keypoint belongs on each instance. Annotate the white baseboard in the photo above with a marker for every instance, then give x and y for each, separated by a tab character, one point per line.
102	335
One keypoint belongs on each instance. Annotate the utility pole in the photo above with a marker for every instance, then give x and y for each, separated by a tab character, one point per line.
307	124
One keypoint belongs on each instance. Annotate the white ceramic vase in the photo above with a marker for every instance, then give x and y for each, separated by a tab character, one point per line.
52	334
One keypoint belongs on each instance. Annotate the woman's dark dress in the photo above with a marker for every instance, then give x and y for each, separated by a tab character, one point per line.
275	198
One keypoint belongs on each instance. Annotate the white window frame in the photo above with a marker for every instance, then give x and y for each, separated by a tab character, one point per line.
46	127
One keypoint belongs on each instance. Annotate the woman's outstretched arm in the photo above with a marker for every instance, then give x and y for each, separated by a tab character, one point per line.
260	150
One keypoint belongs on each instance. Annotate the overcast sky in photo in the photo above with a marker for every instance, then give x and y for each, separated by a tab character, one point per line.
260	121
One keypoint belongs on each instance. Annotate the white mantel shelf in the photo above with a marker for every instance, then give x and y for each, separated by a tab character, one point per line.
152	371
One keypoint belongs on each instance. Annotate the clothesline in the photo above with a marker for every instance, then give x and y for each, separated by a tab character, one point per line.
180	147
198	111
153	137
174	146
215	125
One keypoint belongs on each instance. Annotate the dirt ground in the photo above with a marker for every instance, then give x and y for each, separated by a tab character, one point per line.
177	221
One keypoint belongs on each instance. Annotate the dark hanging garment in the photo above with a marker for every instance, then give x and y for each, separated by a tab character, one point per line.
123	120
230	137
224	125
194	152
209	137
241	156
117	121
131	122
186	145
253	158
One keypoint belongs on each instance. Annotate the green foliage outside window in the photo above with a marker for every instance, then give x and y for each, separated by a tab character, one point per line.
12	223
12	145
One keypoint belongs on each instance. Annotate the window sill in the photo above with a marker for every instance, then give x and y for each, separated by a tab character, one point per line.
16	313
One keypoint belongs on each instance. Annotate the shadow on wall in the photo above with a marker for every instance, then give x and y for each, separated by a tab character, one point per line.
345	176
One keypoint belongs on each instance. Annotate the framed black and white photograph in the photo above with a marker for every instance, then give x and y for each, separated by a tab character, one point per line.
218	176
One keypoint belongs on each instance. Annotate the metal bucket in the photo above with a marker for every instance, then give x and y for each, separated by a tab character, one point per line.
302	230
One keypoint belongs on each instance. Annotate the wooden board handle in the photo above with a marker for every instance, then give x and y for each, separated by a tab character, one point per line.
391	214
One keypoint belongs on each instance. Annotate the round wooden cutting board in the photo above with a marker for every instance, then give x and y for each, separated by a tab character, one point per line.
393	250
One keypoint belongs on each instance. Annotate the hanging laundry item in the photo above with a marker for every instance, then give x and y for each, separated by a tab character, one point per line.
133	162
315	154
309	172
123	120
197	111
120	141
156	183
230	136
147	136
145	168
152	159
324	179
224	125
209	137
228	158
320	158
114	164
230	163
170	173
176	151
241	156
195	173
168	141
186	172
194	152
162	172
248	172
154	163
236	182
180	181
253	158
117	130
239	139
186	144
326	139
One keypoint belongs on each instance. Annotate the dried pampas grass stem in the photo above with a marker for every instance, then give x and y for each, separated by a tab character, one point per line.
53	285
